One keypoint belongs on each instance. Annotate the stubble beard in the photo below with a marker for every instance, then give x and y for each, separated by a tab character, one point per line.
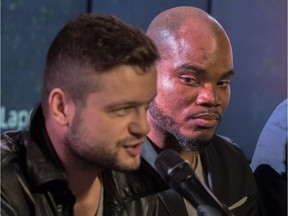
97	158
167	124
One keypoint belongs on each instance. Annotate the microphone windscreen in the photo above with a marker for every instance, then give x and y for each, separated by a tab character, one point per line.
178	174
170	164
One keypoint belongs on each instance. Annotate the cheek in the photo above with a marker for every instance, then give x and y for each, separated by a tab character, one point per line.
166	83
164	86
166	93
95	125
171	101
171	93
225	99
113	129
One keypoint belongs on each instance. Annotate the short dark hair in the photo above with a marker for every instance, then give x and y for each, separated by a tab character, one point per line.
91	44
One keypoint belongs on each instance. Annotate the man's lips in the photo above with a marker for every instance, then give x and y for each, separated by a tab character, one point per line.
134	149
205	120
207	116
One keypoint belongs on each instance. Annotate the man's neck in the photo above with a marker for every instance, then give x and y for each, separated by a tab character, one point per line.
88	200
87	190
84	180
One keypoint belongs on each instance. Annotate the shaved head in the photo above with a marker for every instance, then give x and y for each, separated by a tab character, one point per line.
194	74
182	20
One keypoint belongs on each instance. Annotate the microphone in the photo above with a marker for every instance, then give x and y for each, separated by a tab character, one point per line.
178	174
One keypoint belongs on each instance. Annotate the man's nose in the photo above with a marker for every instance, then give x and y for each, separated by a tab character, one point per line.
208	96
140	125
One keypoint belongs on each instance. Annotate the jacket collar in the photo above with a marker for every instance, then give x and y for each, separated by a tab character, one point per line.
43	164
149	153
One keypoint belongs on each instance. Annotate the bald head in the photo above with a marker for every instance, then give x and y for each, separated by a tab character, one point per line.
182	21
193	76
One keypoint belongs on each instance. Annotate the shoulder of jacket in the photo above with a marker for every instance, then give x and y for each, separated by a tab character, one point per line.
226	148
226	140
15	194
11	145
134	184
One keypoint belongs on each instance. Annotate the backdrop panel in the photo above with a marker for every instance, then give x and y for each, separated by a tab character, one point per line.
257	29
141	13
28	28
258	33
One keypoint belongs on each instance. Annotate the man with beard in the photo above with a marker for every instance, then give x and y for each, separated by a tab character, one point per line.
193	90
92	117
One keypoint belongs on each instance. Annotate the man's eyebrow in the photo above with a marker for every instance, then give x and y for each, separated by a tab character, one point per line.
198	70
190	67
229	73
129	103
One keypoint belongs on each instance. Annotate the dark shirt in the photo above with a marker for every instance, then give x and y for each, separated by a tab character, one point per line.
269	163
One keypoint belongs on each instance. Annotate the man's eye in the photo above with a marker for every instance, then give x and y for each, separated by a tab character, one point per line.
189	80
223	83
122	111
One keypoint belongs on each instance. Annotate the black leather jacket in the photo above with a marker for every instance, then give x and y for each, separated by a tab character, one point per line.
33	182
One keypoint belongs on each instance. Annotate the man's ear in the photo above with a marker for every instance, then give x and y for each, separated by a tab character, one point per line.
58	102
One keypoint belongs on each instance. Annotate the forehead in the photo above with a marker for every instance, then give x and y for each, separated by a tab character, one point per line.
125	83
205	49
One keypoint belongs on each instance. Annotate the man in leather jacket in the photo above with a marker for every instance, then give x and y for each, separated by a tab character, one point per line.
92	117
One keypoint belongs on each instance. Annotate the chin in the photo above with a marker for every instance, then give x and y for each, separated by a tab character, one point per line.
202	136
206	137
130	166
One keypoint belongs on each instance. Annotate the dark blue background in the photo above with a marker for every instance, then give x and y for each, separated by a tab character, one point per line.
257	29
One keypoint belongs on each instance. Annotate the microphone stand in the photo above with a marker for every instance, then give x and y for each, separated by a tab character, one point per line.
206	210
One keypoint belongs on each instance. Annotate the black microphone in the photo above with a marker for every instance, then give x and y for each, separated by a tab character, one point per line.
178	174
